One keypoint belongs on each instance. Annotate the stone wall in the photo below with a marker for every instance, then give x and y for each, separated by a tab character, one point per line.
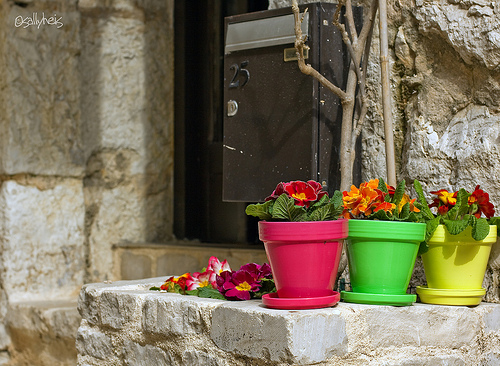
86	159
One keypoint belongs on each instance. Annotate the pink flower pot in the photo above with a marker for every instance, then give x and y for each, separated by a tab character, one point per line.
304	256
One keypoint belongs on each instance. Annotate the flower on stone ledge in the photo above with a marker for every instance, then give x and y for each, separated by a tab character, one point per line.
183	282
237	285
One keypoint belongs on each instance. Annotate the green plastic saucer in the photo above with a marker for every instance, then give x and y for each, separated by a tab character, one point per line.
378	299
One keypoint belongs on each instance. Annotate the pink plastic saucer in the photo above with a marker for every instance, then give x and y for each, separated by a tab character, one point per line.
300	303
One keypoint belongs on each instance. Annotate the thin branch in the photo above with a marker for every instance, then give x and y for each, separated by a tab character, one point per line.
306	68
358	125
350	21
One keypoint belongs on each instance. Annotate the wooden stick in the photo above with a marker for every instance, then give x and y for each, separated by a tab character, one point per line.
386	96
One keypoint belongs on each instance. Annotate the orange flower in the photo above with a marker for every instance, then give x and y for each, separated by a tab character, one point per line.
363	200
386	206
405	200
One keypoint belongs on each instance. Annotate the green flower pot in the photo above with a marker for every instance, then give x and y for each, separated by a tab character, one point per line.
381	257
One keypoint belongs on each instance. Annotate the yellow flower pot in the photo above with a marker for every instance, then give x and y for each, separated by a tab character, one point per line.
454	267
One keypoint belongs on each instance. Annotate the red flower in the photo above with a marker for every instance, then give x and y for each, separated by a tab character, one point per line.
182	281
480	202
278	191
302	192
444	201
442	210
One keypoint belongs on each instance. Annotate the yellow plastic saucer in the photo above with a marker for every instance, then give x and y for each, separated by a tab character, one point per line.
450	296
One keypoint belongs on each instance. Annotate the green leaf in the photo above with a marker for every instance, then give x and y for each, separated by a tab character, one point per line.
399	193
414	217
431	227
323	200
328	212
382	186
455	227
266	286
284	208
421	197
461	206
154	288
260	210
405	212
210	293
480	228
337	199
495	221
381	215
423	248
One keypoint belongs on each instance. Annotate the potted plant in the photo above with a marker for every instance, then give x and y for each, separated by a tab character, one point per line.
384	237
460	234
303	241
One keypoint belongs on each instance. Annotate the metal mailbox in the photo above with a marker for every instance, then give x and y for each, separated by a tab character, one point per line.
279	124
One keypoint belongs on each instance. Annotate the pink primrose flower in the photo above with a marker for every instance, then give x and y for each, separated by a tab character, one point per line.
237	285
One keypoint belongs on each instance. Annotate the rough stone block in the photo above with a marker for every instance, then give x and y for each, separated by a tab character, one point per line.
43	240
137	355
422	325
491	359
40	122
430	360
4	358
299	337
177	315
118	308
195	357
93	343
492	319
43	332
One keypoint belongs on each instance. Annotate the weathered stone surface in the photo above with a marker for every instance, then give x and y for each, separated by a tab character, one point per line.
170	316
473	30
137	355
422	325
203	358
42	240
93	343
117	309
40	129
135	266
186	330
255	332
127	129
43	332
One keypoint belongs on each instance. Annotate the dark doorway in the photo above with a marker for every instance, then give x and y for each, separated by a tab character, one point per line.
199	212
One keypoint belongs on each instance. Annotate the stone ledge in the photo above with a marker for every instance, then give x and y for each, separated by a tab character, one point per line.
42	332
140	326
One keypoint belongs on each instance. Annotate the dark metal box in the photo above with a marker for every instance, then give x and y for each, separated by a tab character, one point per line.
279	124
